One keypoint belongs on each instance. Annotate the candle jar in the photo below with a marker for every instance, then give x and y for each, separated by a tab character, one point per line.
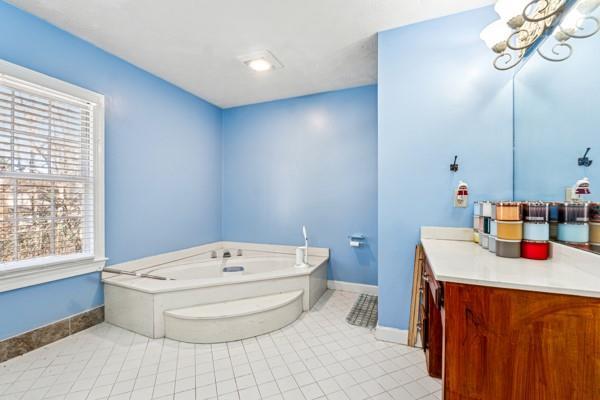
595	233
508	211
536	232
492	244
595	212
535	250
573	213
510	230
574	233
484	240
508	248
486	209
536	212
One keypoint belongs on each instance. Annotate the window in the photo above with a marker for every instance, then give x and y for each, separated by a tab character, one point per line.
50	169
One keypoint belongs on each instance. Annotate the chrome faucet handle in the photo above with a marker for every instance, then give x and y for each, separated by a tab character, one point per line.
239	253
213	254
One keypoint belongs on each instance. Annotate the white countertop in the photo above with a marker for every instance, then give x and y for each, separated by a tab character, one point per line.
570	271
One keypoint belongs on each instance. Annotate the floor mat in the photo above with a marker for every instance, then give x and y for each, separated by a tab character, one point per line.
364	312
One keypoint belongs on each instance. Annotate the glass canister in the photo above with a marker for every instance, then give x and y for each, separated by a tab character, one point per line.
493	228
508	211
573	213
574	233
537	211
510	230
536	231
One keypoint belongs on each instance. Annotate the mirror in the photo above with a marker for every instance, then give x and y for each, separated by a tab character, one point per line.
556	118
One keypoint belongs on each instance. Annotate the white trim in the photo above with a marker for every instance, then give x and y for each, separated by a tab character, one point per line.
22	277
393	335
353	287
50	270
47	82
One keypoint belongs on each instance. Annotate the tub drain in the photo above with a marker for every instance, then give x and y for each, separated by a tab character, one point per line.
237	269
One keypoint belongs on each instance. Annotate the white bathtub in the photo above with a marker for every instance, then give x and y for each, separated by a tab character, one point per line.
139	304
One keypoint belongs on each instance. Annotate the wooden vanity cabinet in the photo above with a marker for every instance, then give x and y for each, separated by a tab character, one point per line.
505	344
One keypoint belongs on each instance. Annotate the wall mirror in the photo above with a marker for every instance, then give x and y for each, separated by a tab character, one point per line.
556	119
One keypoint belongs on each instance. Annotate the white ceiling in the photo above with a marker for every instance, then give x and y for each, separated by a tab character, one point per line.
323	44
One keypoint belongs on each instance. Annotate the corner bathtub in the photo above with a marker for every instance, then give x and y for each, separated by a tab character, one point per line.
195	279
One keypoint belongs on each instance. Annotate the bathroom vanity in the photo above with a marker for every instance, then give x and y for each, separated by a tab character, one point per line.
495	328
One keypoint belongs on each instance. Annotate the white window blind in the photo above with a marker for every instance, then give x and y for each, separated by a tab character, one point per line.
46	172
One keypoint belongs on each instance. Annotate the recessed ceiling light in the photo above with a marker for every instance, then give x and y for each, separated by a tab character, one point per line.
259	65
261	61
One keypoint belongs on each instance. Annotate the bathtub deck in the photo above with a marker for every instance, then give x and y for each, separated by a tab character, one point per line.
319	356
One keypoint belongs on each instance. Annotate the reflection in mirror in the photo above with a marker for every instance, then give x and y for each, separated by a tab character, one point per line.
557	118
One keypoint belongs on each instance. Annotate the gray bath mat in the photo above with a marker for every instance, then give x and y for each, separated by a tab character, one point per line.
364	312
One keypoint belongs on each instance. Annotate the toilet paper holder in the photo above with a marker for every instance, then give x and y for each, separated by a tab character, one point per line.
356	239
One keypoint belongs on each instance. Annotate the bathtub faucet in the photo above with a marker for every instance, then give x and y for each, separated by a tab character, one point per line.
226	254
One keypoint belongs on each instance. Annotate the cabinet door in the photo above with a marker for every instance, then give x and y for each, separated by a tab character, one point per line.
504	344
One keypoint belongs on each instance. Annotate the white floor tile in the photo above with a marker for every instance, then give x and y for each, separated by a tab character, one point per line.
319	356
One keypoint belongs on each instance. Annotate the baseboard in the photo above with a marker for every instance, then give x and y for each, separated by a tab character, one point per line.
39	337
393	335
353	287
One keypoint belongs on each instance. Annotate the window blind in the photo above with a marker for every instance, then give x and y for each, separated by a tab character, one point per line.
46	172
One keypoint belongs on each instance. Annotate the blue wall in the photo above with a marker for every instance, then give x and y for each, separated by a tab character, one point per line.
556	119
163	165
309	160
35	306
438	96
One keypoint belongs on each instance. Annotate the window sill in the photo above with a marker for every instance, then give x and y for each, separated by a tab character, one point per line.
15	276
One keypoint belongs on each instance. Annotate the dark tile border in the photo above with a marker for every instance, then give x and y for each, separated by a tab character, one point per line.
28	341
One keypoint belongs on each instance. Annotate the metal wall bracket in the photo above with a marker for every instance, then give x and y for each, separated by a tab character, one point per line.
454	165
585	161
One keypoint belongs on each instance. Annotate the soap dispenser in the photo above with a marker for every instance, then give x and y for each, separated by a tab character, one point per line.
461	195
581	187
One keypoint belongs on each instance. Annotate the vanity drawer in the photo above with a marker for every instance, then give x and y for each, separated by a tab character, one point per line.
436	288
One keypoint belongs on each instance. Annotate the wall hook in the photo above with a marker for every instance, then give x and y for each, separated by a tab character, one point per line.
454	165
585	161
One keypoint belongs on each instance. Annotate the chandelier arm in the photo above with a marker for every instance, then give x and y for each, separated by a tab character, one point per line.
508	63
522	47
556	52
579	24
543	16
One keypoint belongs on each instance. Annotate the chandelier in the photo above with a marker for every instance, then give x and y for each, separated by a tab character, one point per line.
524	24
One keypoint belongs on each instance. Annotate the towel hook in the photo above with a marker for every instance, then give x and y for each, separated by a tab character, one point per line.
585	161
454	165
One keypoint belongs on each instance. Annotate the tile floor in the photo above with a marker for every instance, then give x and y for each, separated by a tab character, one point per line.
320	356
